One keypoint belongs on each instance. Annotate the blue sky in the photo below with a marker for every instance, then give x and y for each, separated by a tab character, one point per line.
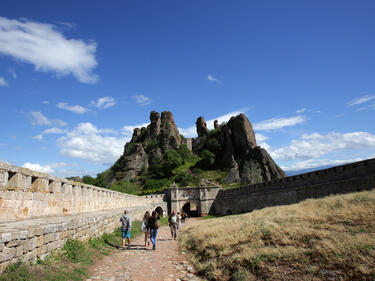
75	78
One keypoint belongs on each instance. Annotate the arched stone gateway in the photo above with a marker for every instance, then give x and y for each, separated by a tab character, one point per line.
195	201
160	211
190	208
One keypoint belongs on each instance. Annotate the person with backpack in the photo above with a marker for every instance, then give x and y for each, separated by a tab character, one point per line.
144	228
153	226
173	223
126	228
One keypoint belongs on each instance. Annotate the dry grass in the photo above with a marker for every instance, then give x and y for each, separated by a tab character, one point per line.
318	239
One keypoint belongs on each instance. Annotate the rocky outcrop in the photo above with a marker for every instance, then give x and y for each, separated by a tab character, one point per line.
233	144
146	145
216	125
201	125
239	153
243	136
169	136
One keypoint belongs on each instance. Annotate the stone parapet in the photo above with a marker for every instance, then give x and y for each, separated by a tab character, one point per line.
30	239
28	194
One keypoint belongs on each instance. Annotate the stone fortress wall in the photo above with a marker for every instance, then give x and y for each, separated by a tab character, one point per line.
27	194
39	212
352	177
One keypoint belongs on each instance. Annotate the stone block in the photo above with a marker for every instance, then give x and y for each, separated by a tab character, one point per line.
34	231
1	246
52	246
24	234
15	242
29	256
33	243
55	187
6	237
41	250
8	254
40	240
3	178
39	185
19	251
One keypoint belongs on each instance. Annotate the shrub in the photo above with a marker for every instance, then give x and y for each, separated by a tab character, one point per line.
208	159
153	185
74	250
151	146
126	187
171	160
87	179
184	178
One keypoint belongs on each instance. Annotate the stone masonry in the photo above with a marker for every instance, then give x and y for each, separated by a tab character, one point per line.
39	212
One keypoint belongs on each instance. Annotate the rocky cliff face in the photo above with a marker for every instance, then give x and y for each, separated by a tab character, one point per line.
233	145
147	144
238	151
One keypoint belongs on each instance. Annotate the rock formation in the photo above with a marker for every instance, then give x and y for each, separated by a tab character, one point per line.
147	144
235	150
239	153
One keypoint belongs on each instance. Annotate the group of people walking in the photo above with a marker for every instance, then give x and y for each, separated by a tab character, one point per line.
150	226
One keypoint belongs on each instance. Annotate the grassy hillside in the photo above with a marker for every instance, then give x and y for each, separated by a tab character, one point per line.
318	239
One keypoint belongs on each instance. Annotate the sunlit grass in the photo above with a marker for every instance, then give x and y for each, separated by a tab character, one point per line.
334	235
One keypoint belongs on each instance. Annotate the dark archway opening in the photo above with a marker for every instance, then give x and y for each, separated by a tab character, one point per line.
229	212
159	210
190	209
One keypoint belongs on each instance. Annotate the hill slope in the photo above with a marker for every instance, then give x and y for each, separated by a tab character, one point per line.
318	239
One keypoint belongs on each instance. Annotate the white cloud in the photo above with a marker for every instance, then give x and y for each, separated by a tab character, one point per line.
38	119
301	110
45	47
103	103
3	83
73	108
45	102
141	100
191	132
48	169
361	100
278	123
87	142
316	145
213	79
315	163
48	132
13	73
38	137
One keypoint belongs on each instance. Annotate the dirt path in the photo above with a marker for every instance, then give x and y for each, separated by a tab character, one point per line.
144	264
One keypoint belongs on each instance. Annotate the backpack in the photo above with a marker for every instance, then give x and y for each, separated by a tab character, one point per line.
125	222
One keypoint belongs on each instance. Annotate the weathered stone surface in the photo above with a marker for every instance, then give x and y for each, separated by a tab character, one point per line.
137	158
269	168
153	130
243	136
216	125
8	254
201	126
233	173
169	137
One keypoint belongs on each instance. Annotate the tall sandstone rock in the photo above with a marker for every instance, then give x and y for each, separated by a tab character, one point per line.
238	151
147	144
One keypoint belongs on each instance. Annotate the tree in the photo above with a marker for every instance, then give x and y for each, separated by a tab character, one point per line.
251	173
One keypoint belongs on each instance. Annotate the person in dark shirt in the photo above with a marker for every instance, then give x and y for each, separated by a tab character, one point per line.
153	226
